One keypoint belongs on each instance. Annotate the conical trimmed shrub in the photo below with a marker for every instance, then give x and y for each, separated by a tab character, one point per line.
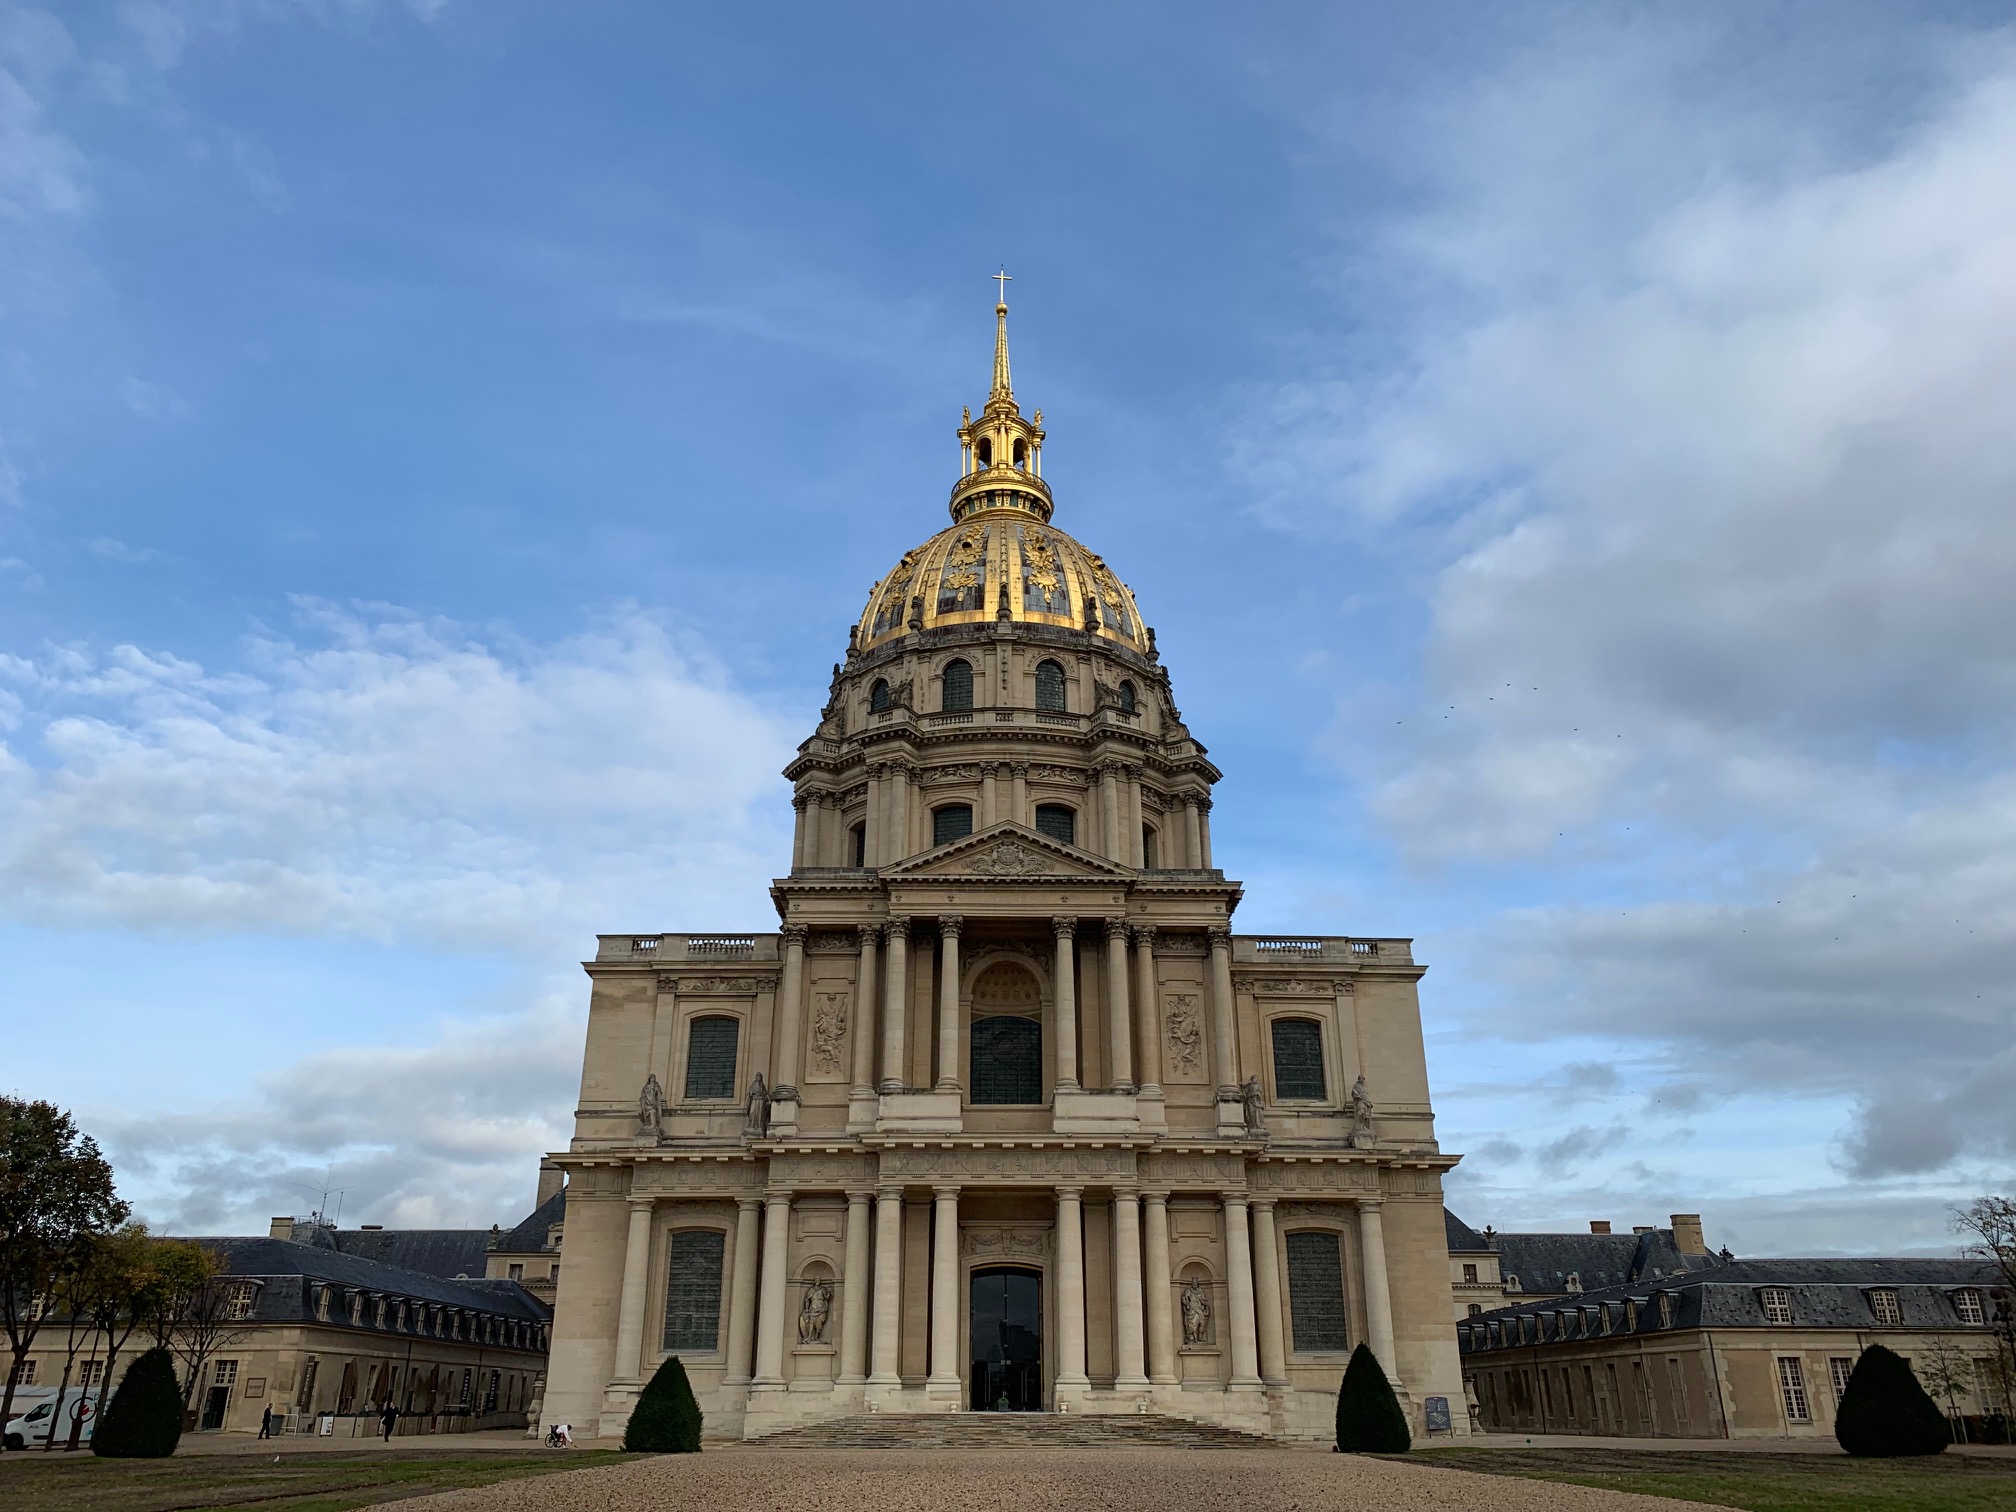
1884	1412
144	1418
1369	1419
666	1419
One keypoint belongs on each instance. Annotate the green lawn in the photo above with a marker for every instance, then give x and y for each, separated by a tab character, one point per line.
298	1482
1761	1482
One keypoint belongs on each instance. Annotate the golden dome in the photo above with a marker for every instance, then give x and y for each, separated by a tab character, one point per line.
1001	564
1002	560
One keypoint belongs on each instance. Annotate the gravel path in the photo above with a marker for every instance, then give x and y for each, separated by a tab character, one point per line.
1049	1480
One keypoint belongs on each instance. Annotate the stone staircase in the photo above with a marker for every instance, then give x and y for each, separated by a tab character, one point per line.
1009	1430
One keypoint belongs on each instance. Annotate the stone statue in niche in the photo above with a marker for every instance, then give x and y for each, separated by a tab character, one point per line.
651	1107
829	1030
1362	1137
1196	1305
1249	1097
814	1311
758	1121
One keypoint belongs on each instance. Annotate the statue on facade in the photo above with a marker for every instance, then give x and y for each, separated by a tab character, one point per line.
651	1107
814	1311
1196	1304
1249	1095
758	1122
1362	1137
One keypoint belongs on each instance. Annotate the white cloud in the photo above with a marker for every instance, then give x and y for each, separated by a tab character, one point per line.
393	778
1709	443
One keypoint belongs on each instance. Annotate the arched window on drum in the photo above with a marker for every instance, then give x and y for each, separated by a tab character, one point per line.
957	687
1050	687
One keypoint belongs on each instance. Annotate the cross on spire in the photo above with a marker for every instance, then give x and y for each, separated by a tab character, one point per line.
1001	281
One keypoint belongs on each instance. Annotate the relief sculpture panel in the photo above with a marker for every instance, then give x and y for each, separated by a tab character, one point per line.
1183	1017
829	1034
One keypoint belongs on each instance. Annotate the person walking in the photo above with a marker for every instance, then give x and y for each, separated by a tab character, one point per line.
390	1419
266	1423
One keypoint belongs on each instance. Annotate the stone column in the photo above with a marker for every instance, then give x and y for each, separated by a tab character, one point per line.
945	1371
799	803
1066	930
895	1005
1204	831
770	1309
636	1290
1161	1307
1109	811
1132	818
854	1293
888	1286
899	813
1193	834
1019	771
1147	1033
864	1013
820	819
948	1003
1378	1298
1224	1044
742	1292
990	793
1119	1029
1128	1372
1239	1293
790	1015
873	822
1267	1294
1070	1289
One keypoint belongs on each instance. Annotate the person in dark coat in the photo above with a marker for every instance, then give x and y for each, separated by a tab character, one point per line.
390	1419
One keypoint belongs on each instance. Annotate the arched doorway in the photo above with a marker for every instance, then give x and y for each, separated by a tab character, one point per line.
1006	1373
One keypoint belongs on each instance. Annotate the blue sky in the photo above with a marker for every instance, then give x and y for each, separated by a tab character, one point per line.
1563	452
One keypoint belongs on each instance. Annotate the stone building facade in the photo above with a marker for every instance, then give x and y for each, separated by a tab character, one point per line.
1004	1116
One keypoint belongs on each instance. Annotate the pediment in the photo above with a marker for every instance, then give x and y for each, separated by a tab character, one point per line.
1007	851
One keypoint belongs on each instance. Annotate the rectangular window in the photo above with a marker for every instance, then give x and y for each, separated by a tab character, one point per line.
1839	1368
1298	1058
710	1058
1792	1387
94	1372
227	1373
24	1373
693	1290
1058	822
952	822
1316	1292
1884	1304
1470	1274
514	1272
1967	1305
1679	1385
1777	1304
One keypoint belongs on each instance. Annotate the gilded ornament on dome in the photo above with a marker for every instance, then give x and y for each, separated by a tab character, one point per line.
1043	590
959	586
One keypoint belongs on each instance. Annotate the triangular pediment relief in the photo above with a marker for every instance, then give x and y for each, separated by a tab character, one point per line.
1006	850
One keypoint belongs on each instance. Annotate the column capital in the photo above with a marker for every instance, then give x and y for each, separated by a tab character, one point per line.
941	1193
860	1194
794	934
1219	936
748	1202
802	801
1144	934
1018	769
1116	929
989	768
777	1199
1369	1204
890	1189
642	1204
949	925
1203	803
898	924
1234	1199
1064	926
1263	1204
871	934
1155	1196
1126	1194
1073	1193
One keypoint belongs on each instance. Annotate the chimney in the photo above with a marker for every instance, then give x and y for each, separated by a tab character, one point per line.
281	1227
371	1228
551	1179
1599	1225
1642	1228
1687	1235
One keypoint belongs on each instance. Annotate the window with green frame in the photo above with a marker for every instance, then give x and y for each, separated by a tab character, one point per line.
957	684
952	822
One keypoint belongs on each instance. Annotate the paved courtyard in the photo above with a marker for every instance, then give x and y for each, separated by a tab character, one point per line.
1044	1480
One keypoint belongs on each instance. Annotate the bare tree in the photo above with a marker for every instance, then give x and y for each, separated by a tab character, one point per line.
1990	1226
56	1197
1946	1375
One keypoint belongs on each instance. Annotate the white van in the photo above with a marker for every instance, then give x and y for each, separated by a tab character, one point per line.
29	1427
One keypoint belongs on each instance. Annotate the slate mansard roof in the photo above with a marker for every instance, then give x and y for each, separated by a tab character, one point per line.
448	1253
1544	1262
531	1234
291	1270
1831	1294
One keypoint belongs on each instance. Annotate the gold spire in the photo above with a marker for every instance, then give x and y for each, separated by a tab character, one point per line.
1003	389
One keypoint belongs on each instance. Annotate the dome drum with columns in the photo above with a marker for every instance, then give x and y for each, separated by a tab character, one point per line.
1003	1116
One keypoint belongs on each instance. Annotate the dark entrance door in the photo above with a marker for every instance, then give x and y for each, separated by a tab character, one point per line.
1007	1374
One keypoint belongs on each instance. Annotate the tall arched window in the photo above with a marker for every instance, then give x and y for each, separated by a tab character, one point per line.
1148	845
1298	1058
1006	1037
710	1057
952	822
693	1290
1126	698
1316	1291
878	696
1058	822
860	833
958	686
1050	686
